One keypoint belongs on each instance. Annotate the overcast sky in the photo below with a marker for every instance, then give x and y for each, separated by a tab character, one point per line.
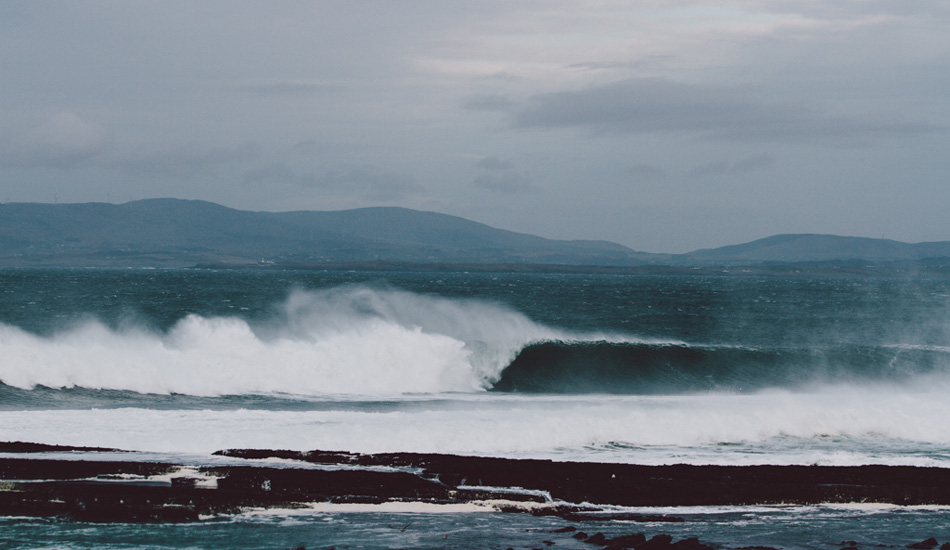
664	126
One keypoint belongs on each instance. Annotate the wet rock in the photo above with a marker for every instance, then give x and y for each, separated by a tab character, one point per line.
691	543
626	541
637	485
184	482
568	529
118	512
27	447
136	490
945	546
657	542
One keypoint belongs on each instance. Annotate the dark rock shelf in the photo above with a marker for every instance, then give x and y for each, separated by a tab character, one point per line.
99	490
676	485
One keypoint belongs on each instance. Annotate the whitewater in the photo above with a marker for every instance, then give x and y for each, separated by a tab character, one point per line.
341	341
802	429
372	366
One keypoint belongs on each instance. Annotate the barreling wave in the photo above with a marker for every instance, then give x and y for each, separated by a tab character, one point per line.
658	368
357	340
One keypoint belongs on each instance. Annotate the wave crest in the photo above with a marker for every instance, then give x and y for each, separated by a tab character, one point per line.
346	340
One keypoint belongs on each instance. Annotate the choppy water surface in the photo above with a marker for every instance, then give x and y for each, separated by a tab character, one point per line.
813	527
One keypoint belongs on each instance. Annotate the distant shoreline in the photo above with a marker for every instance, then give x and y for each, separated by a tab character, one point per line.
823	269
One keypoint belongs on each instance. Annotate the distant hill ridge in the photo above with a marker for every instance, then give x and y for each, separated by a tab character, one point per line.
175	232
185	232
819	248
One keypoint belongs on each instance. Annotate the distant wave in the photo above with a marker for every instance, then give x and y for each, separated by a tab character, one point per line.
356	340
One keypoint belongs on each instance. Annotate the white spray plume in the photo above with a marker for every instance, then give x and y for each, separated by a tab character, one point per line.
347	340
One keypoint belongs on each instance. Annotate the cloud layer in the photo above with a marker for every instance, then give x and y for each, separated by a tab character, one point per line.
666	127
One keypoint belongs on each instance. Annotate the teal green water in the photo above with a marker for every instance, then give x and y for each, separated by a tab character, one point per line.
646	369
674	334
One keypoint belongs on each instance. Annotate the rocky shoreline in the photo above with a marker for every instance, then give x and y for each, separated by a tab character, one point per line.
90	485
676	485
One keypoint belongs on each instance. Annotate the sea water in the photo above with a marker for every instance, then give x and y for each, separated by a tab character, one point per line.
736	369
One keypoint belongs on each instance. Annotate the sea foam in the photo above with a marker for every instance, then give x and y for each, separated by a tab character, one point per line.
863	426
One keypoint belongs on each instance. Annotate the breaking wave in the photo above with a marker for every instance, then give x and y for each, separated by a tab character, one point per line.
347	340
357	340
669	368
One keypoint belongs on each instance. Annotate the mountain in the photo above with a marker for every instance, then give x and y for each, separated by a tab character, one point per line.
173	232
816	248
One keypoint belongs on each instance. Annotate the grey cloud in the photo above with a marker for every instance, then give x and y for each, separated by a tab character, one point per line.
491	102
289	88
333	89
642	63
849	11
507	182
187	160
753	162
312	147
727	168
647	172
365	183
597	65
717	168
494	163
635	106
62	141
305	146
271	173
647	105
503	76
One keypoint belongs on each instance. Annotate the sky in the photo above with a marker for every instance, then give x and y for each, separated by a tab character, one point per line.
664	126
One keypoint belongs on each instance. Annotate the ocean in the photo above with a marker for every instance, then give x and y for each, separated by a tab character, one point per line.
737	369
